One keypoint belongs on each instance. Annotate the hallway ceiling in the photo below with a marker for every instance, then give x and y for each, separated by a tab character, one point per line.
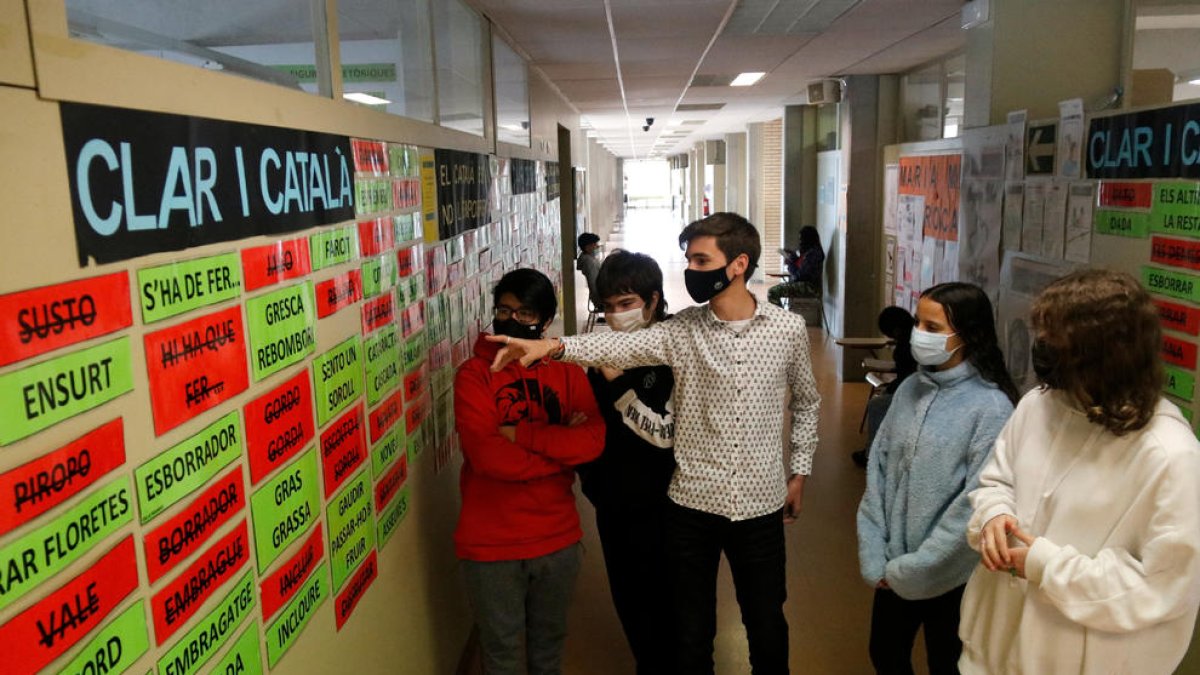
661	44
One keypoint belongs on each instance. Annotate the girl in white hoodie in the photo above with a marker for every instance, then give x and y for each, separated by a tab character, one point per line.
1087	517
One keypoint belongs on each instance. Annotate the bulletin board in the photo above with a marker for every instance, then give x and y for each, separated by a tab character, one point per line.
226	368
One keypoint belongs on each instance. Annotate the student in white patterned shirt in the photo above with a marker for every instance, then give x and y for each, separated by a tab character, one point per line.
734	360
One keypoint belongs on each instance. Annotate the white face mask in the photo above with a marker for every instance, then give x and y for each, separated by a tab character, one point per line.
627	321
929	349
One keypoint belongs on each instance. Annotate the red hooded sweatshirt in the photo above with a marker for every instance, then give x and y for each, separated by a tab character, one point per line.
517	497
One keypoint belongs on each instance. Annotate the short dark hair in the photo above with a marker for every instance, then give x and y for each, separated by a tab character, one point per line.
735	236
1104	332
896	323
532	289
629	272
587	239
809	238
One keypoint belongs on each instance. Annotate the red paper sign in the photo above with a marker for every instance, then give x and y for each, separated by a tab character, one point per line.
33	488
390	484
273	263
178	601
178	538
343	448
43	319
1125	195
378	313
278	425
406	193
416	382
412	319
936	178
338	293
416	414
1175	252
40	634
1178	317
195	366
376	237
283	583
348	599
369	156
410	260
382	418
1179	353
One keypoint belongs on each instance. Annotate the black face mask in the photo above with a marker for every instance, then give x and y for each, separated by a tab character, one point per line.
1045	362
513	328
704	286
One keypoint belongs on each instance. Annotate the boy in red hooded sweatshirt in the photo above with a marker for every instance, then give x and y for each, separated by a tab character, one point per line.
523	430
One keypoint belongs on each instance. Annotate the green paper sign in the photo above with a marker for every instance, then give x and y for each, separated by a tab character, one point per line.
1171	283
44	394
114	648
176	473
414	352
284	508
282	328
243	657
333	247
210	634
387	450
416	443
172	289
1176	208
351	527
378	275
282	634
1123	223
1179	383
409	290
39	555
337	379
405	160
405	225
372	195
383	363
392	516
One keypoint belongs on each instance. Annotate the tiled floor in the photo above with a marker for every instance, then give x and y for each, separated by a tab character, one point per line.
828	607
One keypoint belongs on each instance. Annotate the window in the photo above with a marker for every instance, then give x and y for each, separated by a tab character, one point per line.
932	100
458	41
387	58
273	42
956	78
1166	63
511	79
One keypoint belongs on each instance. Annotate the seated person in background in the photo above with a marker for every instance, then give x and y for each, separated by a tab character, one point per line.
897	324
628	483
523	432
589	263
804	268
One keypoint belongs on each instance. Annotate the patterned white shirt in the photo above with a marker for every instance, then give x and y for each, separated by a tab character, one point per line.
729	402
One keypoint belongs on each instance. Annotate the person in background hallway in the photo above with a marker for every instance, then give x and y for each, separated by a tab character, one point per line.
589	263
804	269
734	361
897	324
523	430
934	440
628	483
1087	517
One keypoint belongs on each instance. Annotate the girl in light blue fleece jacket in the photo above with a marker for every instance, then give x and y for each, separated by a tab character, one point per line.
924	461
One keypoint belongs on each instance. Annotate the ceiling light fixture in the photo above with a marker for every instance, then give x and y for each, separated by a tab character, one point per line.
1195	81
746	79
366	99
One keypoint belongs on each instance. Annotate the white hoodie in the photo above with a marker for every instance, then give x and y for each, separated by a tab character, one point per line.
1114	574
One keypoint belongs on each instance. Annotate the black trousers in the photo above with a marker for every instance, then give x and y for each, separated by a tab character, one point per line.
894	624
635	557
756	553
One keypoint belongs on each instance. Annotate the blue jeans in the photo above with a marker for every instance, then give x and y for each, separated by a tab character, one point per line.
514	597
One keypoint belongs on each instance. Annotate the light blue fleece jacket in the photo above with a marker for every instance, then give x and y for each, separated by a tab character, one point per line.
926	457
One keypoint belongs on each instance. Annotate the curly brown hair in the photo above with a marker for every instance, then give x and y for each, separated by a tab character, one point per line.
1104	333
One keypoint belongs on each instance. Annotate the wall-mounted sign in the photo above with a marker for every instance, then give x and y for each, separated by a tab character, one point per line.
387	450
243	658
337	378
936	178
383	363
144	182
333	247
1179	352
376	237
1175	316
348	599
43	319
379	275
343	448
390	484
46	393
179	600
170	476
1158	143
212	632
280	586
176	539
392	516
378	313
34	488
115	648
1171	283
462	191
552	180
284	508
178	287
284	631
338	293
385	416
273	263
282	328
351	528
194	366
278	425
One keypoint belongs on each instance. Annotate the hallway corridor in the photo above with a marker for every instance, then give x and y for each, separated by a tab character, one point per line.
828	606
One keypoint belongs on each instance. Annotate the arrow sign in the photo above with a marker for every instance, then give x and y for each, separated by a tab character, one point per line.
1040	147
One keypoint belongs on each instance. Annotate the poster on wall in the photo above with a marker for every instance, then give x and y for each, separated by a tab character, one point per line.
462	191
1158	143
1014	146
1022	277
1070	138
145	182
1080	204
937	179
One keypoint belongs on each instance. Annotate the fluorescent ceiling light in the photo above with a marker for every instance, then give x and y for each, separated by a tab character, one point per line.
746	79
367	99
1195	81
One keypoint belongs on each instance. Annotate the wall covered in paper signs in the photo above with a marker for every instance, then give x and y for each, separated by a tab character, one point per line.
226	355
